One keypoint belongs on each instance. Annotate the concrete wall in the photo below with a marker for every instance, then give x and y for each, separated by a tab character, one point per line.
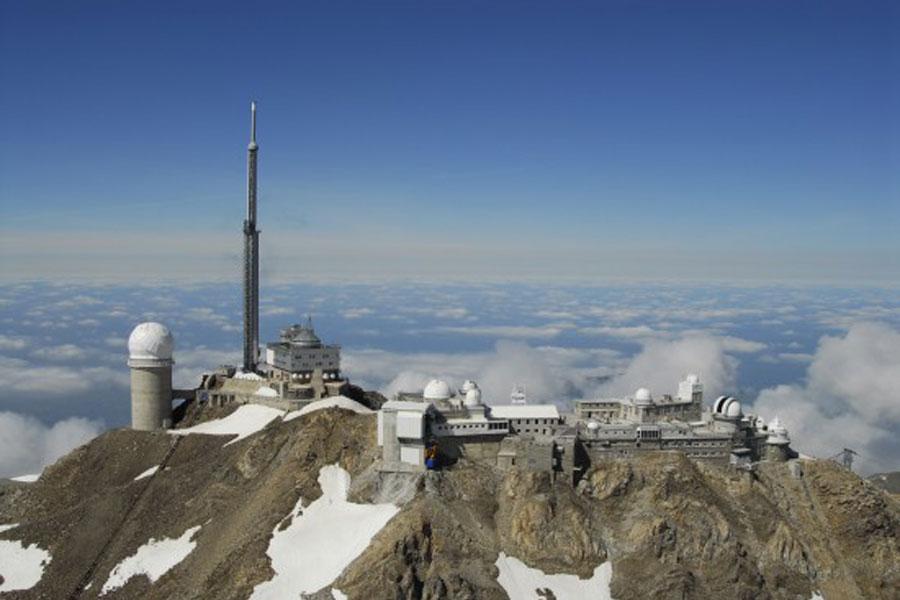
151	398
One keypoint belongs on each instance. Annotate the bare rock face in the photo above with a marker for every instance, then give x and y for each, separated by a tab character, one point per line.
671	528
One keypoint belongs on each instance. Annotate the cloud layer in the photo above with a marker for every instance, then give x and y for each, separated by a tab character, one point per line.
851	398
27	445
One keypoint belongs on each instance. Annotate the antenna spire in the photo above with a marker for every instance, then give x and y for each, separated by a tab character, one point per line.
253	145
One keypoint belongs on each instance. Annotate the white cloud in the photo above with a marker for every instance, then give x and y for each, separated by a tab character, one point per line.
12	343
356	313
851	397
17	375
116	342
550	374
191	363
508	331
800	357
638	331
61	353
663	363
27	445
740	345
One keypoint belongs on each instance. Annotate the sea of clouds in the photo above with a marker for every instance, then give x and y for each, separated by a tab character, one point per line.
825	360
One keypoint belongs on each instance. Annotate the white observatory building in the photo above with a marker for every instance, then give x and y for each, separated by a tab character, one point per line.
150	349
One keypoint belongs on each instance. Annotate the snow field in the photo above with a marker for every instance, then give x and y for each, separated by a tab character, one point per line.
244	422
521	582
250	418
21	566
331	402
322	539
153	559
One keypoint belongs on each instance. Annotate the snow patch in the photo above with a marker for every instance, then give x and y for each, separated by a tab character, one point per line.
153	559
147	473
244	422
247	376
7	527
21	567
27	478
333	401
521	582
816	596
338	594
322	539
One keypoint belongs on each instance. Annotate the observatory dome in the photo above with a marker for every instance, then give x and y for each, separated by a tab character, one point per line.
733	408
151	341
437	389
728	406
692	378
642	396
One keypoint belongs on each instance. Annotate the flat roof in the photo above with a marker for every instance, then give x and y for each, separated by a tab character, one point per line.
525	411
406	405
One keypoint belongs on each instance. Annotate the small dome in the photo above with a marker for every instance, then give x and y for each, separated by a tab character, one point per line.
642	395
302	335
692	379
733	408
467	385
151	341
437	389
473	397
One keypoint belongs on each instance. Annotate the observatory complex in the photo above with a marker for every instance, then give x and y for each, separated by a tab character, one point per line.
438	425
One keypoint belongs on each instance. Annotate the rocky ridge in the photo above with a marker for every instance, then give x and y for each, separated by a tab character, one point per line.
671	528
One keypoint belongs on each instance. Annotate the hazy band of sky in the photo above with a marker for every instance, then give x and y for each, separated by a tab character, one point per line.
526	140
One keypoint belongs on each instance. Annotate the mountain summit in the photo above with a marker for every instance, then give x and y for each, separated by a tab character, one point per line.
231	505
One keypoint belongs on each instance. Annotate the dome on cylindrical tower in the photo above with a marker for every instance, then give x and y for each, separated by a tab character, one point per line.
151	341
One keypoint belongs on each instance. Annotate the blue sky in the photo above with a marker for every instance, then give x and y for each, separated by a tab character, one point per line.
647	140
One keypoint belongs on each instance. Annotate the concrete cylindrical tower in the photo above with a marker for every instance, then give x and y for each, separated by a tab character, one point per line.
150	358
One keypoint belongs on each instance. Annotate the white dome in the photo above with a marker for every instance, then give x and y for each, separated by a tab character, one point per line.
642	395
467	385
151	341
437	389
732	408
593	425
692	379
